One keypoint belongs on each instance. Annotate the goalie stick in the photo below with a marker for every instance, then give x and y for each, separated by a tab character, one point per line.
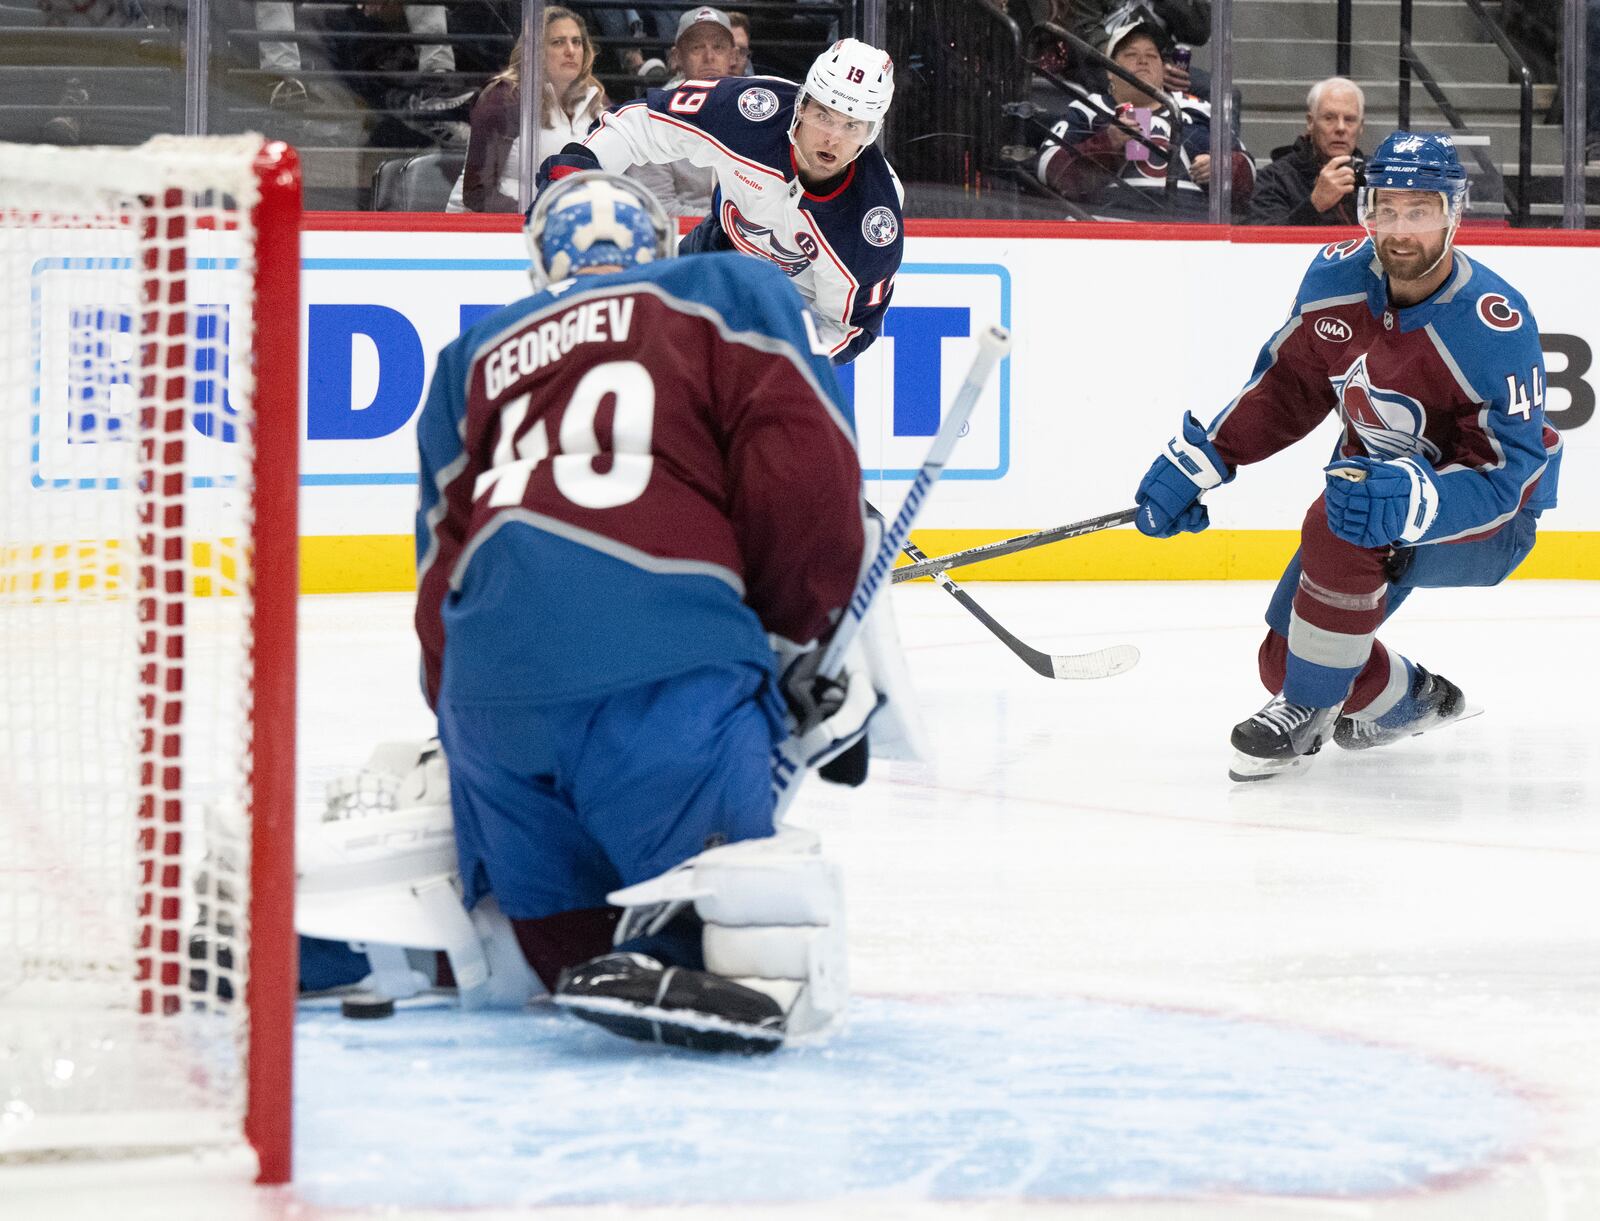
787	765
1010	546
1102	663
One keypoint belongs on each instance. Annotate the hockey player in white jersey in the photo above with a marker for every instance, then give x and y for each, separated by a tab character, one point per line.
800	180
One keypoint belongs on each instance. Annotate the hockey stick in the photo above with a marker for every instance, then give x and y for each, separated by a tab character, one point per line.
1010	546
1102	663
787	766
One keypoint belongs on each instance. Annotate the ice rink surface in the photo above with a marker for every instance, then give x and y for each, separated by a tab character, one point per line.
1094	978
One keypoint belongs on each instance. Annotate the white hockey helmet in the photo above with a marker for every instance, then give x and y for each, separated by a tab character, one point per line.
853	78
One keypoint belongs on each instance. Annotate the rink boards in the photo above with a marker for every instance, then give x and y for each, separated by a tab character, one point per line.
1118	330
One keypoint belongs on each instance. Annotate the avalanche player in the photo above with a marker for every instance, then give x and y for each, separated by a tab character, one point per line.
1445	463
606	537
799	179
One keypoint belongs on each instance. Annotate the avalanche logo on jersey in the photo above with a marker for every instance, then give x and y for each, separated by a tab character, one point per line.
1389	423
759	241
1155	163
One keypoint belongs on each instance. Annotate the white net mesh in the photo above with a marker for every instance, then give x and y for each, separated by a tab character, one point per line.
126	326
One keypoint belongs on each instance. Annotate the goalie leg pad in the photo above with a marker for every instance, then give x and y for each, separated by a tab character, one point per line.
774	921
379	870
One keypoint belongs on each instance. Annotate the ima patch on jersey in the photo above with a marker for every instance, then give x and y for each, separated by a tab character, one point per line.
1389	423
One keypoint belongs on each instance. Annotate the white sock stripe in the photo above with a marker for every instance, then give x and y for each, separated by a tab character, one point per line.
1339	601
1393	691
1337	650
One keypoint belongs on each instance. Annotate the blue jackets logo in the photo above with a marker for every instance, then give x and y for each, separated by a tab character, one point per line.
880	227
758	104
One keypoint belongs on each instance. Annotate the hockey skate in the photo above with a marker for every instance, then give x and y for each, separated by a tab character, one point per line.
637	997
1432	701
1279	738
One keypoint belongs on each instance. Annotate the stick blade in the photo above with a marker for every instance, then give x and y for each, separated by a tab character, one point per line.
1103	663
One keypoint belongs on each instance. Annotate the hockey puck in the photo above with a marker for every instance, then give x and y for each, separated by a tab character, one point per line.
366	1009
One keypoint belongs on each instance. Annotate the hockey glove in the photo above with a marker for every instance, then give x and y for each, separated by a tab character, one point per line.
1169	494
1390	502
573	158
830	714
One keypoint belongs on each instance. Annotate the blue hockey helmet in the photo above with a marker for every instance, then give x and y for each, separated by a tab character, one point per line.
1417	161
594	219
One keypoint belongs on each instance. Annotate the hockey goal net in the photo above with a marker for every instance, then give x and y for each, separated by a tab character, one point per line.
149	355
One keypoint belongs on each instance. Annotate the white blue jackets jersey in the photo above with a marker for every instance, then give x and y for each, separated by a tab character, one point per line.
841	249
1456	381
610	494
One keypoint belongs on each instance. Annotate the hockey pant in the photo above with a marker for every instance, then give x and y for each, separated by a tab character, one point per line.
1324	615
557	805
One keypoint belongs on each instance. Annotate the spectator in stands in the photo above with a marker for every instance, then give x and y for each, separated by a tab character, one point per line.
704	51
1313	181
1110	151
103	119
619	23
1591	135
573	100
1186	22
434	108
741	45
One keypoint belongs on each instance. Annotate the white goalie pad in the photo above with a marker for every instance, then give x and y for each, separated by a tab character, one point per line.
774	921
378	869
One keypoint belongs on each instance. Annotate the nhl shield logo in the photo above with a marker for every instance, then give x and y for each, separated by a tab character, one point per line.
880	227
758	104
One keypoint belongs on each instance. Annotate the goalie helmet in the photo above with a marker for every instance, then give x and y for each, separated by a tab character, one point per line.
853	78
594	219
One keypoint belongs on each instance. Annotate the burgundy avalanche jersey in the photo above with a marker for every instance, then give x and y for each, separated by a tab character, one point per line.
630	476
1457	381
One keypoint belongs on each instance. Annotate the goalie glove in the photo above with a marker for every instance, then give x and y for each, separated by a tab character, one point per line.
829	716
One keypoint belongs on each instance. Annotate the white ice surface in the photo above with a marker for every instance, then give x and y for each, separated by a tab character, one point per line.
1096	979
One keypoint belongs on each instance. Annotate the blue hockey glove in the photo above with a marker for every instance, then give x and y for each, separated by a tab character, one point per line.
1373	504
572	159
1169	494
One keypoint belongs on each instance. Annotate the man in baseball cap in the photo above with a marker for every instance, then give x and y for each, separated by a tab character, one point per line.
704	48
704	51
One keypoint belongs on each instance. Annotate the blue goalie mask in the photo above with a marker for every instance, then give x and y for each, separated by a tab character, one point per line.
594	219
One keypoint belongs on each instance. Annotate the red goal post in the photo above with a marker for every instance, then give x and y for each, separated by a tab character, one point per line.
149	473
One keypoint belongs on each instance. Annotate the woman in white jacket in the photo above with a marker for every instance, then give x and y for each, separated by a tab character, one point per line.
573	100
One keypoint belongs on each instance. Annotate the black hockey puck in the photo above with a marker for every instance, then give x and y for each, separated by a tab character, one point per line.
366	1008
